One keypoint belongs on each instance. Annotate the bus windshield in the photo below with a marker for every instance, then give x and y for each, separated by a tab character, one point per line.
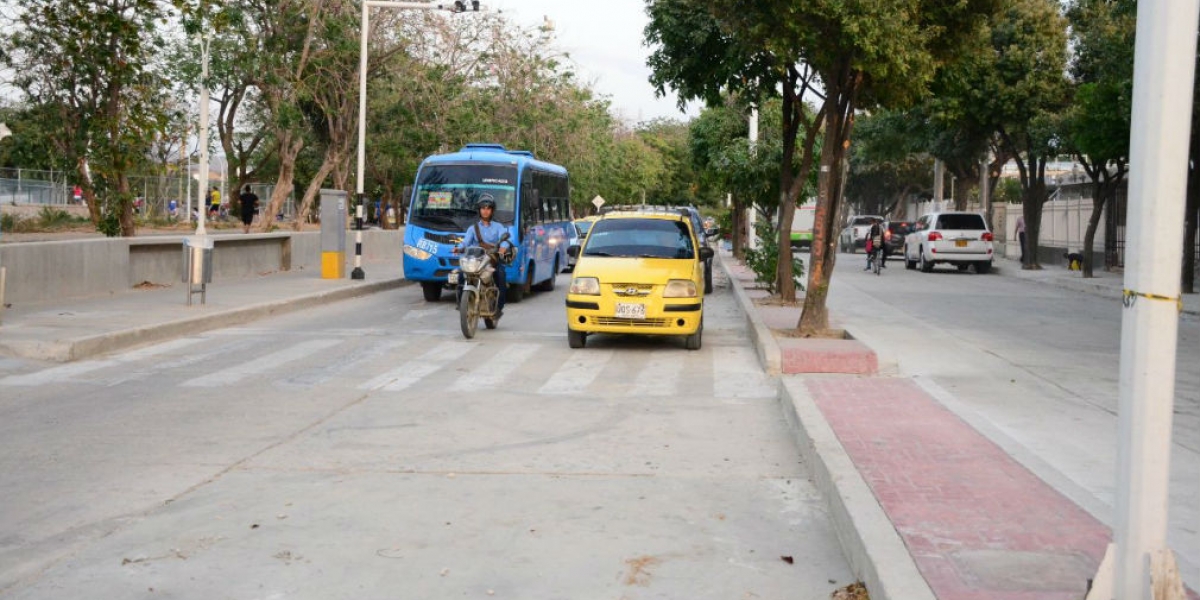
447	196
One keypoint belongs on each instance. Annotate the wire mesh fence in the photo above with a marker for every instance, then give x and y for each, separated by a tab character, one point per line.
171	197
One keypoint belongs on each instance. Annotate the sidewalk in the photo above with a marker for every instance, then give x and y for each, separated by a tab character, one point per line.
926	507
1103	283
85	327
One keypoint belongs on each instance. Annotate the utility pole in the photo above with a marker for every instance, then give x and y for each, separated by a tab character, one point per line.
1163	71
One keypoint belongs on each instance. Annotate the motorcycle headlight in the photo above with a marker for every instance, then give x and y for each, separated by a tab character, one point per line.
587	286
416	252
680	288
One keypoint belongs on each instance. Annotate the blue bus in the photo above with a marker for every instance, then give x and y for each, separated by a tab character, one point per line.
532	200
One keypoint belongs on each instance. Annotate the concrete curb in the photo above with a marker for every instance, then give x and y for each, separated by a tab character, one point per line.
86	347
877	555
769	353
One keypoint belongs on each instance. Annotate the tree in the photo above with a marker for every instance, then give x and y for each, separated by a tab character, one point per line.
887	166
703	55
1098	122
106	112
863	55
1019	90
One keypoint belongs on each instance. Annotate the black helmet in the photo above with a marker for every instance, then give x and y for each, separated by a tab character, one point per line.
486	200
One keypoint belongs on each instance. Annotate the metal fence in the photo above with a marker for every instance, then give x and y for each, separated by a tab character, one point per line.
155	195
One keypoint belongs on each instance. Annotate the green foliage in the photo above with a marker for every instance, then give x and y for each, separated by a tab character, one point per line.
9	223
1008	190
764	260
53	218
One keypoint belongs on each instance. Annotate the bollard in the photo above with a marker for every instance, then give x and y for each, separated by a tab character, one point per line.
357	273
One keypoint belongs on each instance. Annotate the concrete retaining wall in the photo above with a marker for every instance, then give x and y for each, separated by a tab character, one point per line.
40	271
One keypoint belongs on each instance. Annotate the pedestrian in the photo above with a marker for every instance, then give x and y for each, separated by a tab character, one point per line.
1021	236
249	202
173	208
77	194
214	200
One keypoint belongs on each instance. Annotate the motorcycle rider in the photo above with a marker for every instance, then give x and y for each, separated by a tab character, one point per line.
486	234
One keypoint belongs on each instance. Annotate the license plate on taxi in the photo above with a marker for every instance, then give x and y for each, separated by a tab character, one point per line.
960	243
631	310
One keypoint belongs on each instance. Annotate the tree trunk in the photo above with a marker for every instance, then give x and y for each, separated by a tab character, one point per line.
125	206
737	236
839	122
289	147
1191	216
1031	208
314	186
1099	199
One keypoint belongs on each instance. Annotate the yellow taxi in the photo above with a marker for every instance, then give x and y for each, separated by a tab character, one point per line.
638	273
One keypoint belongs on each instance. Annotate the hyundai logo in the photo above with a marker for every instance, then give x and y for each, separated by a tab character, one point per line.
631	291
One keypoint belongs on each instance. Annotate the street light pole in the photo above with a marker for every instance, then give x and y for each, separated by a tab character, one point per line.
201	205
457	6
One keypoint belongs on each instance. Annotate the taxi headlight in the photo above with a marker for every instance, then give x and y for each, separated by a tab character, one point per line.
680	288
588	286
416	252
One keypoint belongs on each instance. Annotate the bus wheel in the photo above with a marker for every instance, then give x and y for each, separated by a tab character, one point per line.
516	292
432	290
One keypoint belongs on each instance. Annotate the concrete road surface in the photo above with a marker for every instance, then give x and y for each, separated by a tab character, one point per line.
366	450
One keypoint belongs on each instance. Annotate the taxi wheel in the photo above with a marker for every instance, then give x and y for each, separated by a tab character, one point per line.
576	339
692	342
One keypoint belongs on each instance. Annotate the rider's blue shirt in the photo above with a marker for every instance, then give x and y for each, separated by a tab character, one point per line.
491	233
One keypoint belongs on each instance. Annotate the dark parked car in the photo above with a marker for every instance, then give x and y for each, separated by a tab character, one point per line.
894	238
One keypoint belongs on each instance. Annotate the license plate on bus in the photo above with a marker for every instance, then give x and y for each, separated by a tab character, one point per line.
631	310
960	243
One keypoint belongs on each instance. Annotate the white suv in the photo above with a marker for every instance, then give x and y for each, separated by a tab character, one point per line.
958	238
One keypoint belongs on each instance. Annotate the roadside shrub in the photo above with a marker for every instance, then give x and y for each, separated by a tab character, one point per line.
765	260
54	218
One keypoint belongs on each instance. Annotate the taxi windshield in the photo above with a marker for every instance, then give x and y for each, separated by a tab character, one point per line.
642	238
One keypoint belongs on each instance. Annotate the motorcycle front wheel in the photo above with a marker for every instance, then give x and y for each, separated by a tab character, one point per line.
468	314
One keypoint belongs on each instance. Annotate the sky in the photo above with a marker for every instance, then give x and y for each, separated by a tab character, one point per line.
604	40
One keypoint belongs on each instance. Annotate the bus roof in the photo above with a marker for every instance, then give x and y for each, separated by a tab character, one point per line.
495	154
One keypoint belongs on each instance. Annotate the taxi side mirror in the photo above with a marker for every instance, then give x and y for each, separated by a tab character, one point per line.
706	253
573	251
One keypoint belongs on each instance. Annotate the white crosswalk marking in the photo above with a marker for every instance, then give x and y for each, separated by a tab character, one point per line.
660	375
67	372
344	362
577	373
145	368
737	374
418	368
496	369
261	364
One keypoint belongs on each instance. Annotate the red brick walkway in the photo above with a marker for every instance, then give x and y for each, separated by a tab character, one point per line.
978	524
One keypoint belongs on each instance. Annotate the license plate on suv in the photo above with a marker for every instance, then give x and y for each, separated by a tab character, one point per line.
631	310
960	243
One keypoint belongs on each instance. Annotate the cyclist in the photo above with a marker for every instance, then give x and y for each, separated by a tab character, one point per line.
874	245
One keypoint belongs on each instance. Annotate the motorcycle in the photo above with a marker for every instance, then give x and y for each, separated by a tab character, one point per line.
479	295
